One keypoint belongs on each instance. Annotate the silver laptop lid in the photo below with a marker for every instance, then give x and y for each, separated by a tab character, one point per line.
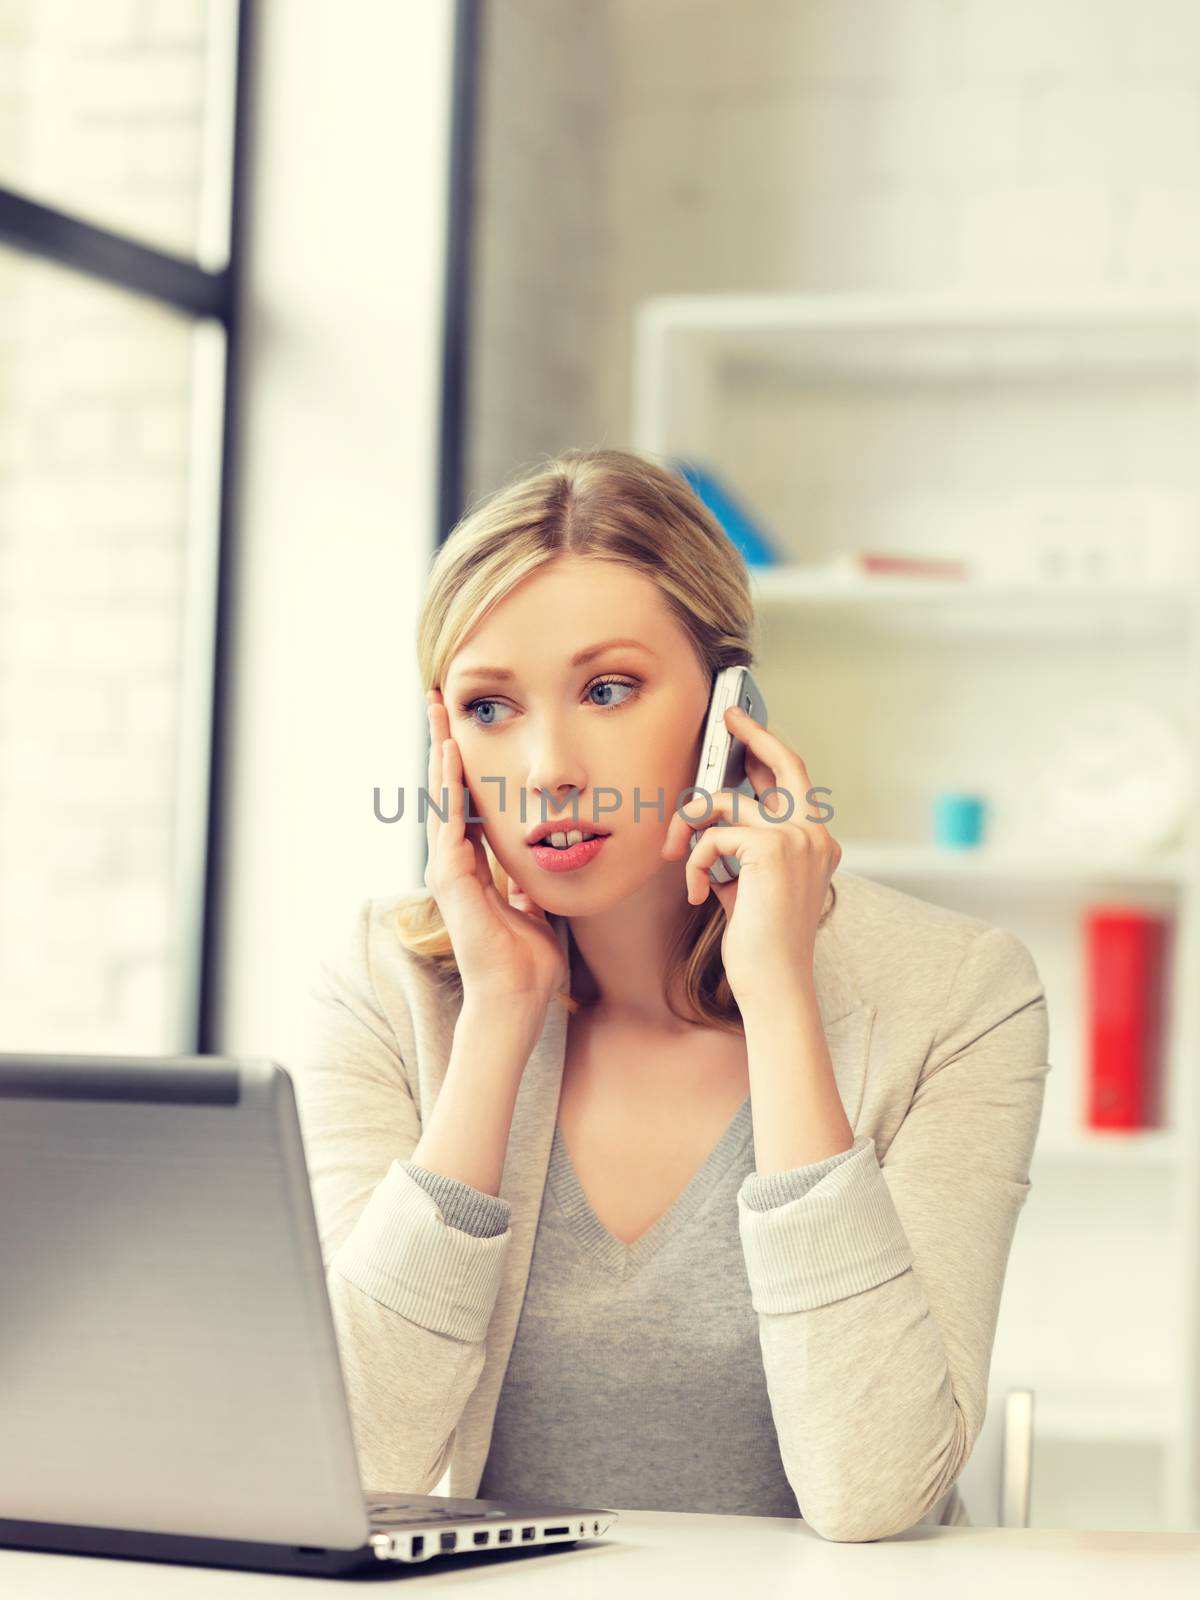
168	1351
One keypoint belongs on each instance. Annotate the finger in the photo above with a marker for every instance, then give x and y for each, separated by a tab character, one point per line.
433	821
521	900
713	842
787	768
455	822
455	780
483	870
726	805
818	853
456	815
441	786
761	779
698	812
475	832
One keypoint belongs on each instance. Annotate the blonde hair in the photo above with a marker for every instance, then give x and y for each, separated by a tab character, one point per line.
610	505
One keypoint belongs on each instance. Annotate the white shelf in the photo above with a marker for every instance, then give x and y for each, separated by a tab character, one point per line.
954	606
740	312
1017	869
1112	1147
797	584
866	338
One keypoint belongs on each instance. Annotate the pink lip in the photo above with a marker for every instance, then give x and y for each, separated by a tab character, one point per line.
565	827
576	855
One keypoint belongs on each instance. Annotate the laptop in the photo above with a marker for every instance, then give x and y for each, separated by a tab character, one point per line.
170	1386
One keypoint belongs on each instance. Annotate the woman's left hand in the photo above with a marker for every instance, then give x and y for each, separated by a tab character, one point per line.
774	904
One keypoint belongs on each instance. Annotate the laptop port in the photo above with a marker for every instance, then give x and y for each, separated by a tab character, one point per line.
504	1536
480	1538
449	1540
418	1543
564	1529
527	1533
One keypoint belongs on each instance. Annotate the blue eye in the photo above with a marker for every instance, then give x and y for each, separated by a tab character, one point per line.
614	683
469	711
470	707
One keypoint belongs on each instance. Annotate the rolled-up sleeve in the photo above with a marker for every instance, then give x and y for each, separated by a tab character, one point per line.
836	1235
461	1204
405	1254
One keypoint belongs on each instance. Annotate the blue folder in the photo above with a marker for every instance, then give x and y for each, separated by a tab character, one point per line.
744	532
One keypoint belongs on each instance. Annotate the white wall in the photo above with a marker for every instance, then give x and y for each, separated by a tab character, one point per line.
542	239
336	511
813	145
1023	146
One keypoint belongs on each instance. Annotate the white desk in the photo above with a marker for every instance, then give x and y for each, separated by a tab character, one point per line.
651	1554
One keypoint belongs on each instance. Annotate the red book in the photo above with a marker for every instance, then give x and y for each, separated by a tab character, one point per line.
1124	957
885	563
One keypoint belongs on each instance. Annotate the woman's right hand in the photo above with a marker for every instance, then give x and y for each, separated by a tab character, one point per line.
506	951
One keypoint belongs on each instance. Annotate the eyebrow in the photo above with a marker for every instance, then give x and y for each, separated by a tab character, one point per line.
502	673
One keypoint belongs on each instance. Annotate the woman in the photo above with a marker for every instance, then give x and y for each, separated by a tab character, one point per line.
631	1193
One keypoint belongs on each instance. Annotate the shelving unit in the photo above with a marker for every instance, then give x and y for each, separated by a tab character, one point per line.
905	605
1016	870
903	424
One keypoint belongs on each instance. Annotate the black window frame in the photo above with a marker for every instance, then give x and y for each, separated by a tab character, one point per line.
459	262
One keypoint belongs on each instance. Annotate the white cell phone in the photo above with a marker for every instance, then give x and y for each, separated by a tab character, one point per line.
723	755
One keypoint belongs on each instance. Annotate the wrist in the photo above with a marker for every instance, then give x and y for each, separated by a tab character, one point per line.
508	1014
769	994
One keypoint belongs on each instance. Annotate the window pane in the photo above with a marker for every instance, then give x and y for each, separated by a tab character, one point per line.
97	539
120	111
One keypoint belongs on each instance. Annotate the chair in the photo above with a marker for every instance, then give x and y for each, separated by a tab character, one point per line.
997	1480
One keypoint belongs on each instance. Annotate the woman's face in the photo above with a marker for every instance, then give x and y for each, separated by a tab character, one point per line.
612	740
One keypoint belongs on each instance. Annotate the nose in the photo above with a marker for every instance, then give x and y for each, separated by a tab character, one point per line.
555	771
546	802
554	783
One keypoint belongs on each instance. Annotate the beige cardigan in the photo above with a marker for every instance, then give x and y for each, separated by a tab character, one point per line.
877	1291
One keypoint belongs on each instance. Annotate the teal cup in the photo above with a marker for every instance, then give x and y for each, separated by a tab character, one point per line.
958	820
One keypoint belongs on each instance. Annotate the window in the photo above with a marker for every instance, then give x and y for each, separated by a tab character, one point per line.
117	111
118	266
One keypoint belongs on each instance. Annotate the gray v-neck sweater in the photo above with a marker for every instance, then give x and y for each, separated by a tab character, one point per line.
875	1277
616	1392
